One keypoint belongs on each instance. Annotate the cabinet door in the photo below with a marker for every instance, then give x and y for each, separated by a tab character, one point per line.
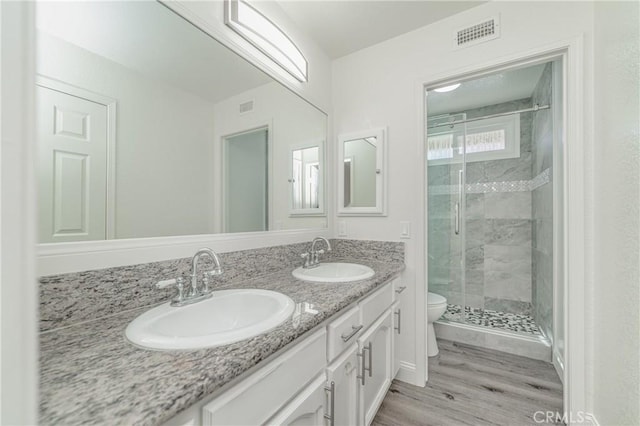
343	372
307	409
376	362
397	331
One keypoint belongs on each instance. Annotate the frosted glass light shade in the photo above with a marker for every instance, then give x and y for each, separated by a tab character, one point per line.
258	30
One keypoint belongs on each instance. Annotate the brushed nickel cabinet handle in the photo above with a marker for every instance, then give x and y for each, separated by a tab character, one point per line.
332	400
354	330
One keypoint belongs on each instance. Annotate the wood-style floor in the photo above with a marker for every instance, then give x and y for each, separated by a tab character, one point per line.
475	386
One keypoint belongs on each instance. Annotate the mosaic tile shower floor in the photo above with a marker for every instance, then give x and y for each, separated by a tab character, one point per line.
518	323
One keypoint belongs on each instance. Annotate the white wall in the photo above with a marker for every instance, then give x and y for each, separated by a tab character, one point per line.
164	142
19	291
616	313
291	122
380	86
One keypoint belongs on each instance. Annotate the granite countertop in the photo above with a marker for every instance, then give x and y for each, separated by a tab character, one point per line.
89	373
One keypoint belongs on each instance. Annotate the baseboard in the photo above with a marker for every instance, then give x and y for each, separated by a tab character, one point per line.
558	364
407	373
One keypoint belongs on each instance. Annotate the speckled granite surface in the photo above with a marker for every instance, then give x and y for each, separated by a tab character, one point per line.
89	373
84	296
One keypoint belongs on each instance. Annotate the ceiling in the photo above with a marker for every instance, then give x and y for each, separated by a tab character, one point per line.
490	90
152	40
343	27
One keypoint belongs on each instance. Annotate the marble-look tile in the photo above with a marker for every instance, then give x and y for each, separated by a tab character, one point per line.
536	349
544	235
507	285
514	259
475	257
509	306
508	232
474	230
440	206
474	206
508	169
455	333
474	282
542	199
508	205
438	175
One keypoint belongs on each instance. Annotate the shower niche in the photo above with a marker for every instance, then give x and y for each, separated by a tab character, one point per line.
490	192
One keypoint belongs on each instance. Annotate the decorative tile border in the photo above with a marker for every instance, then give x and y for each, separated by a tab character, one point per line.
488	187
517	323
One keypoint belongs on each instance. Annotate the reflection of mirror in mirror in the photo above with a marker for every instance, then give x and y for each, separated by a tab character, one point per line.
360	172
134	105
306	178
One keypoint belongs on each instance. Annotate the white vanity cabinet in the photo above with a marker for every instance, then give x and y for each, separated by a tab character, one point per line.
356	353
343	373
307	409
376	355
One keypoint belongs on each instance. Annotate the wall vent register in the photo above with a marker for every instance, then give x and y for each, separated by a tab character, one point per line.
486	30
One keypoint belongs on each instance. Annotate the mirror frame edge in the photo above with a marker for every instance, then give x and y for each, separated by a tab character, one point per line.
380	208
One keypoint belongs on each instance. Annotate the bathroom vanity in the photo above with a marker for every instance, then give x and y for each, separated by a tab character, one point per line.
334	357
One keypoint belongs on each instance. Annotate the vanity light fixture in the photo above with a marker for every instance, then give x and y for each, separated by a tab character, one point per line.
447	88
258	30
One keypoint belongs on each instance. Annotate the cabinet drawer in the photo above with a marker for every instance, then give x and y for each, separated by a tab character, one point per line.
259	396
343	332
373	306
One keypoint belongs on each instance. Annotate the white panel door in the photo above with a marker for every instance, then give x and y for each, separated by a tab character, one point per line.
72	167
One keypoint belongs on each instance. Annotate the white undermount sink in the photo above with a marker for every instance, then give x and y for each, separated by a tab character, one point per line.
334	273
228	316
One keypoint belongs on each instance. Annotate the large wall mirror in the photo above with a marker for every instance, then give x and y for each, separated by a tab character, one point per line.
362	173
148	127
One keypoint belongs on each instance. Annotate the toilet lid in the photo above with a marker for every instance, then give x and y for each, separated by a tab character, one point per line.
435	299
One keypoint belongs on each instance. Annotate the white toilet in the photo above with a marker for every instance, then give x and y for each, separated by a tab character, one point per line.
436	306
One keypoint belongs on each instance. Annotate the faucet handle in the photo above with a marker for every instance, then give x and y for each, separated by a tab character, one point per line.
306	257
177	282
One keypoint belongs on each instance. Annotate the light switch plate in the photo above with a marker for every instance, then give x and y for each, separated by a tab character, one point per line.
405	229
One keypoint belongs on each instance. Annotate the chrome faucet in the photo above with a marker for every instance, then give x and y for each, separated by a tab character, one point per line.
195	294
312	258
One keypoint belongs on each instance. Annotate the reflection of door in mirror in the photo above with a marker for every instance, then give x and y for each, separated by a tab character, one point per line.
360	172
72	167
305	178
246	199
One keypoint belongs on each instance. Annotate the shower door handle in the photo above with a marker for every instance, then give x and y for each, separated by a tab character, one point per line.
457	214
459	203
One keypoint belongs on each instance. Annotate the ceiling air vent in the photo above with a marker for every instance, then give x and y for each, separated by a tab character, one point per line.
486	30
246	107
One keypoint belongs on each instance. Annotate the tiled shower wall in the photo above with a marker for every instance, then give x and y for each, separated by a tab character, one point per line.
498	227
542	206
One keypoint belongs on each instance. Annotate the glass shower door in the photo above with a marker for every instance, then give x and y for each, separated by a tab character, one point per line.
446	205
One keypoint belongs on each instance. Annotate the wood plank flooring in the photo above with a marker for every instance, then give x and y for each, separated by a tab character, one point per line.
475	386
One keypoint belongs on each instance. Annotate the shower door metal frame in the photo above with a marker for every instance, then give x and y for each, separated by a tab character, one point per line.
574	254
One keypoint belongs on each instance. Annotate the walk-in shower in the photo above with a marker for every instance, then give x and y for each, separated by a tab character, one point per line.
490	172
